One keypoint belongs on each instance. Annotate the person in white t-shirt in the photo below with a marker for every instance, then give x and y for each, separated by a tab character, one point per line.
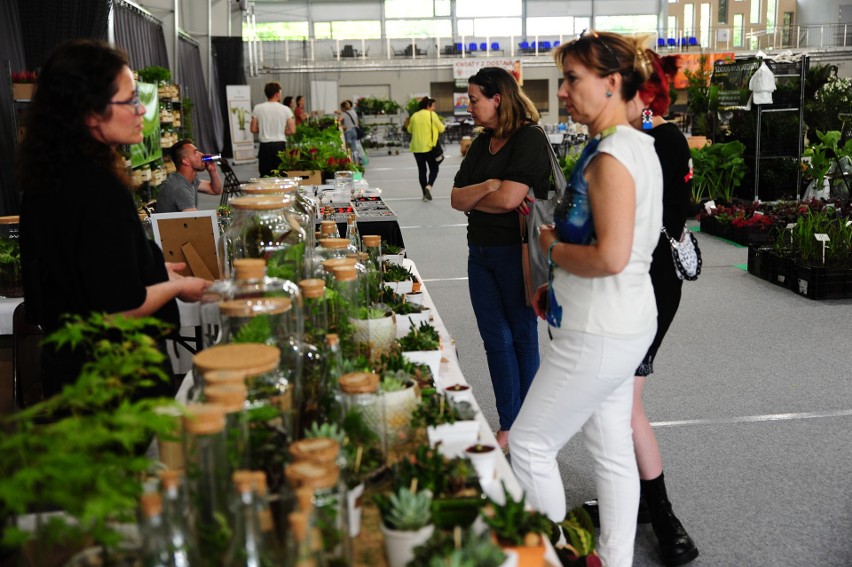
601	309
272	122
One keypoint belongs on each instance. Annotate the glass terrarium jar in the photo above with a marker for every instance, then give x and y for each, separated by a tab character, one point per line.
359	394
263	227
11	281
233	400
330	248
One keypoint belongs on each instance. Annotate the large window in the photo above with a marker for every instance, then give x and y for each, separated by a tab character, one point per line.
688	20
490	27
738	30
418	9
367	29
771	11
273	31
626	24
671	30
474	8
754	14
556	25
704	24
419	28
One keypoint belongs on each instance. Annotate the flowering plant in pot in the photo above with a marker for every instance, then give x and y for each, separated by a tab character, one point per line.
517	528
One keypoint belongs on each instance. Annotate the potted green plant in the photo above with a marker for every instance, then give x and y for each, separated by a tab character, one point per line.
422	345
406	523
23	85
392	253
57	453
718	169
375	329
398	278
154	74
579	551
11	283
450	426
459	548
518	529
827	165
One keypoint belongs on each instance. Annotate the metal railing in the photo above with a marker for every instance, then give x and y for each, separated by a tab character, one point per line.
284	53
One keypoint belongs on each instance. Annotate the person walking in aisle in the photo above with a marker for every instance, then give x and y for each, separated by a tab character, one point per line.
83	248
508	157
348	118
601	308
425	127
645	112
180	190
272	122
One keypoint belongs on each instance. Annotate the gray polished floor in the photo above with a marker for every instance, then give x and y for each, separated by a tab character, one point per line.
751	399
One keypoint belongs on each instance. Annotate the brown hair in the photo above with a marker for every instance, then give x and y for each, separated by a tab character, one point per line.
271	89
515	110
606	53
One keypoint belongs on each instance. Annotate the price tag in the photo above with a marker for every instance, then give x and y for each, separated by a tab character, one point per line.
848	223
790	226
758	213
822	237
709	206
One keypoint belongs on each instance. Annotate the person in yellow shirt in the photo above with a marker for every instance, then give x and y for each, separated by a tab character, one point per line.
425	127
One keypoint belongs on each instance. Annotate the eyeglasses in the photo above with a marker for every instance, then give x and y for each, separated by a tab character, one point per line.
134	102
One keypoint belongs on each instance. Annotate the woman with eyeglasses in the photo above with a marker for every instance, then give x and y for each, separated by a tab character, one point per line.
601	307
509	156
83	248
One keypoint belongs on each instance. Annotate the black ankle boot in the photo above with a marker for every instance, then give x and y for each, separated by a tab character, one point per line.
676	547
591	506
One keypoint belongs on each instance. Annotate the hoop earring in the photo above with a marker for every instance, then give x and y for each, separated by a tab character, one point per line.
647	115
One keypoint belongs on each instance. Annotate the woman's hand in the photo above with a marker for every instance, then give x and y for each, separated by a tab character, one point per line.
192	289
173	268
525	206
539	302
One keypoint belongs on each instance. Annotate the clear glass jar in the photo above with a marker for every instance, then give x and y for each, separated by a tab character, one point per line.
373	263
359	395
314	310
329	248
207	472
248	547
328	229
233	399
184	545
263	227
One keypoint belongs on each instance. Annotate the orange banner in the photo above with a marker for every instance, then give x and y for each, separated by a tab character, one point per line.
690	61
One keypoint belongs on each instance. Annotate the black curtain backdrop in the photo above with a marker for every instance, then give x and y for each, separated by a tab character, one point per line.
141	36
228	63
13	60
205	124
47	23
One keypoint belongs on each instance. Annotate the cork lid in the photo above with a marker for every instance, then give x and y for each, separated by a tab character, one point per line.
15	219
263	203
332	263
305	499
352	217
307	474
334	243
230	397
254	307
332	339
317	450
169	478
250	268
223	377
151	503
328	227
260	484
243	481
372	240
299	525
359	383
251	358
278	186
204	419
345	273
312	288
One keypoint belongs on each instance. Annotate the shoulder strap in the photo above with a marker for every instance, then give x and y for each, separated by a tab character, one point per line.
555	168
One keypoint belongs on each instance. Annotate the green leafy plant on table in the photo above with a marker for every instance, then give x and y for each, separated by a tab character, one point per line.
437	409
513	524
459	548
421	337
580	536
58	452
718	169
396	273
405	510
828	158
154	74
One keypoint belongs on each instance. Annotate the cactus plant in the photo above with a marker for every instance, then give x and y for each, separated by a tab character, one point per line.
406	510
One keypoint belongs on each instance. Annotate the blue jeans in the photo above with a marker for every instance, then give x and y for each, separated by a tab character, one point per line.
507	326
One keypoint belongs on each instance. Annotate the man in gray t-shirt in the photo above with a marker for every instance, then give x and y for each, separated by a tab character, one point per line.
180	190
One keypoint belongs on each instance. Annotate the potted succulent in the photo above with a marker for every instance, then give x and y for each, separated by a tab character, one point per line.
398	278
391	253
459	548
422	345
375	328
518	529
397	401
450	426
409	315
406	523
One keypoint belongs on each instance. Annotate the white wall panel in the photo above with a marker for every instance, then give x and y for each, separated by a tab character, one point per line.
538	8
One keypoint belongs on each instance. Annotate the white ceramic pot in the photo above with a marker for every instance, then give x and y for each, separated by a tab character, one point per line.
401	288
459	393
394	258
403	322
399	546
353	500
430	357
415	297
484	461
453	437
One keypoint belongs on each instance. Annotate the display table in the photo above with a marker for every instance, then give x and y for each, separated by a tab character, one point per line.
372	215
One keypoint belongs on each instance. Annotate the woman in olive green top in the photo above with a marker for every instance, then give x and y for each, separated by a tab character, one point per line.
425	127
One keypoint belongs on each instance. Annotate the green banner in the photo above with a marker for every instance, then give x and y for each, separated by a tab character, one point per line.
149	149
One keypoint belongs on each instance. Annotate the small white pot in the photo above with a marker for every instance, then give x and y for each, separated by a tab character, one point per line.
429	357
353	500
394	258
380	334
401	288
484	462
415	297
403	322
399	546
453	437
463	395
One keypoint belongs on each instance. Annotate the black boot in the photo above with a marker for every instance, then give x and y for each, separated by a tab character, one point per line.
676	547
591	506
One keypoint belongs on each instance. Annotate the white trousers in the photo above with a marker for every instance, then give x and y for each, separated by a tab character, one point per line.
585	381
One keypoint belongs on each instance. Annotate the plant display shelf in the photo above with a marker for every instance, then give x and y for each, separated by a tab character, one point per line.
744	236
813	282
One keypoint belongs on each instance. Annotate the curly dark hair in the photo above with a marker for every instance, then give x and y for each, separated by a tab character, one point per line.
78	80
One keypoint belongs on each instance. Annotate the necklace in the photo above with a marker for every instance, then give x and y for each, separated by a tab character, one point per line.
499	146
